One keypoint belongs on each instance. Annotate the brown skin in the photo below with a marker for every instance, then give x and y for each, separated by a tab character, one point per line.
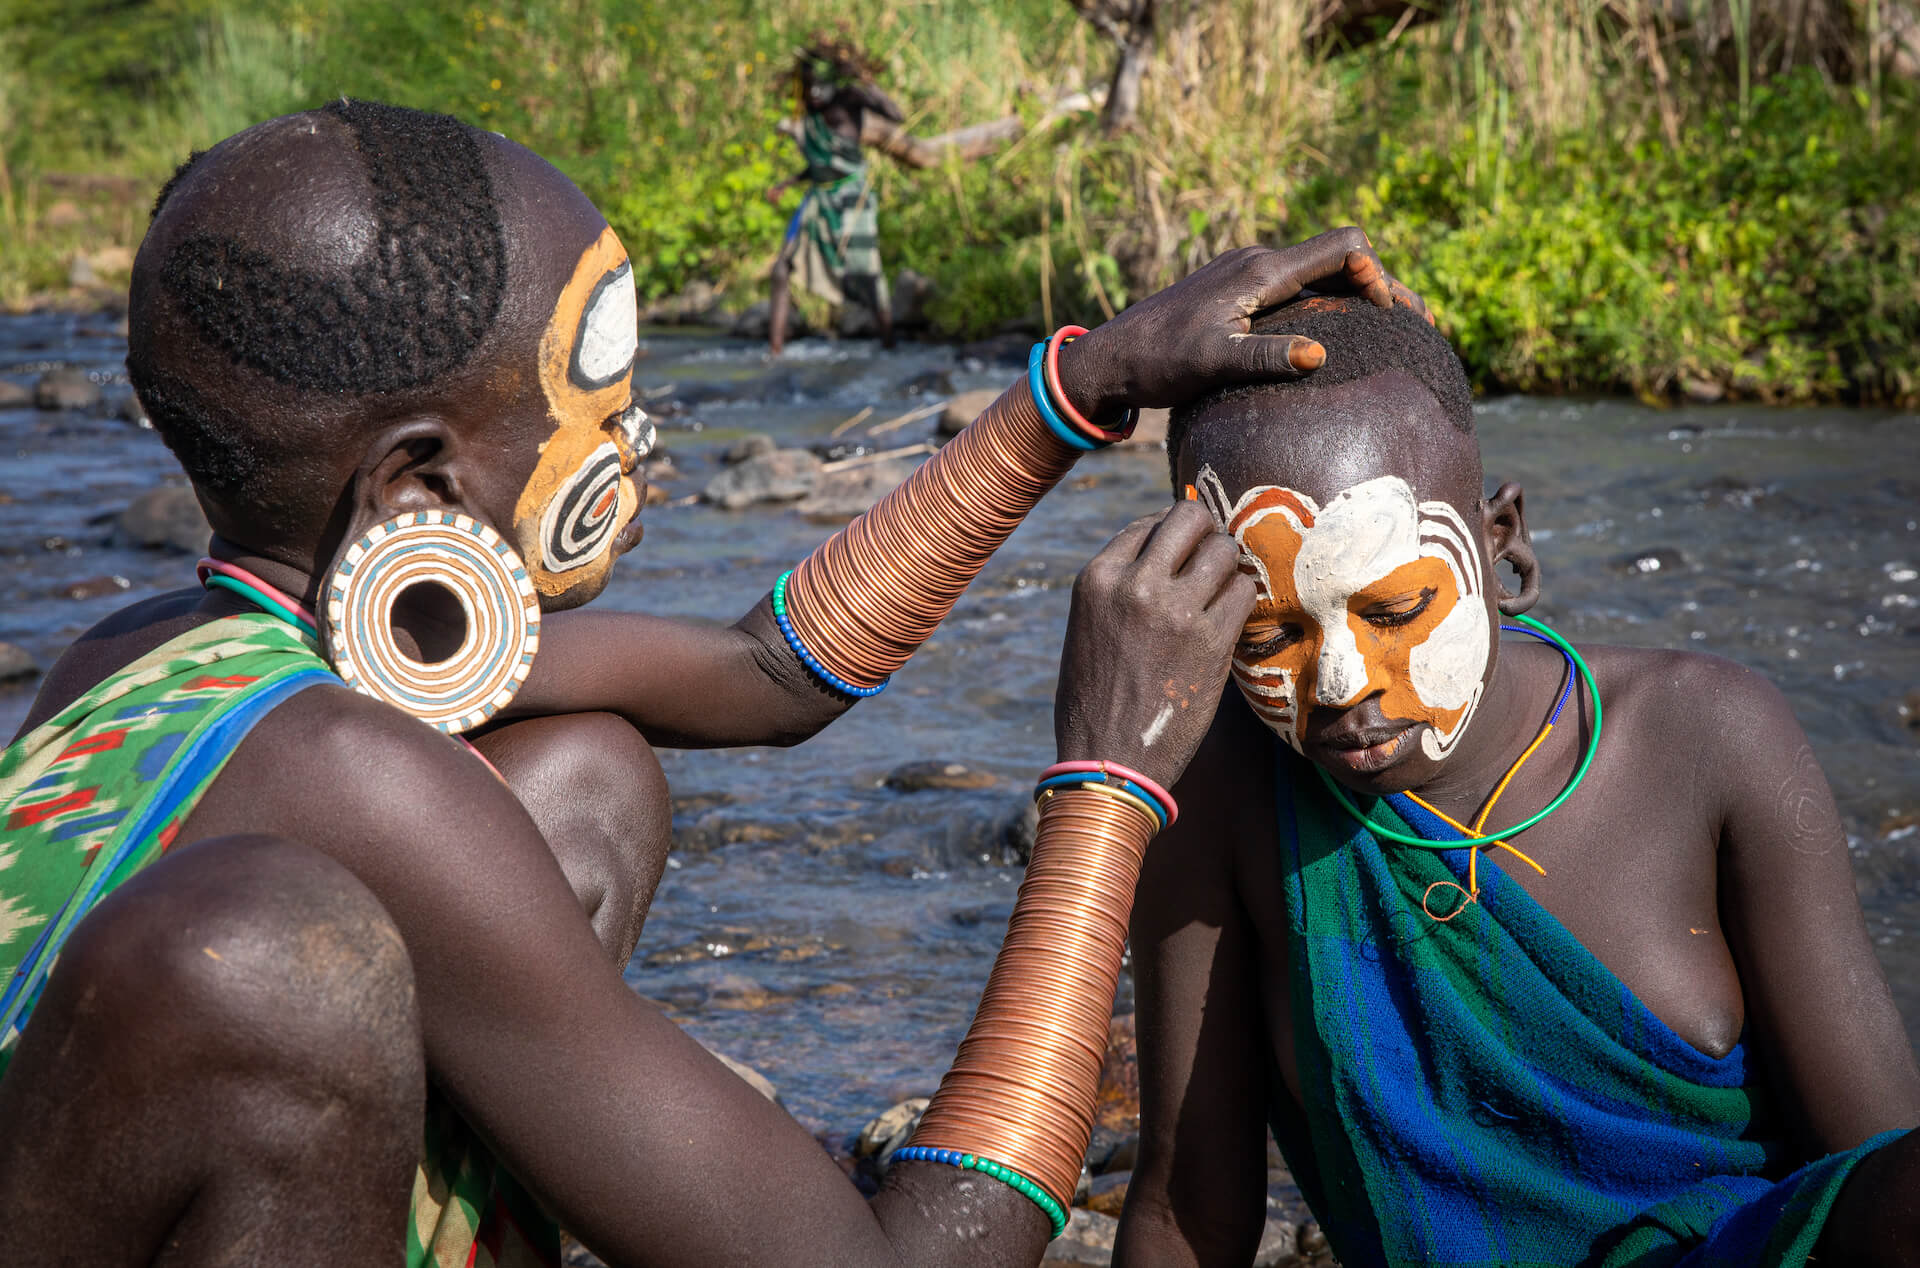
497	917
1728	901
842	106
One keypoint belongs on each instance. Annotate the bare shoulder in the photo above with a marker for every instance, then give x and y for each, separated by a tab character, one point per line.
111	643
359	780
1685	695
1724	720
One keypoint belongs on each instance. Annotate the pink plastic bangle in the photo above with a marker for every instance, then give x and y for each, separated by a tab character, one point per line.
1123	772
1067	411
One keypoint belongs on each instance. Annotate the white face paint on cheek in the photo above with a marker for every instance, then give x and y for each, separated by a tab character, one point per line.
1269	692
1363	534
1450	668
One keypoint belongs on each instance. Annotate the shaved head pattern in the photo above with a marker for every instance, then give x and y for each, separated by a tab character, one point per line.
411	311
1362	340
424	291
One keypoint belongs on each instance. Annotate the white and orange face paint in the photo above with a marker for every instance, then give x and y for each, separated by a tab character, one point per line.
1384	594
581	493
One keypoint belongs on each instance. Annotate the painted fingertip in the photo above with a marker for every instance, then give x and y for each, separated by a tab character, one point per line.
1193	494
1305	354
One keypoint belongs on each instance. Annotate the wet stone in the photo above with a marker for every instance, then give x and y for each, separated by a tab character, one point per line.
16	665
963	409
1108	1193
889	1131
841	495
920	776
785	475
928	383
911	292
1116	1105
1009	349
1150	432
1088	1240
168	517
750	1076
1645	563
129	410
66	389
1701	391
1909	711
92	587
754	446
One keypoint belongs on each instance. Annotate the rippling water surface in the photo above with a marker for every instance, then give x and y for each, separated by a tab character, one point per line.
835	934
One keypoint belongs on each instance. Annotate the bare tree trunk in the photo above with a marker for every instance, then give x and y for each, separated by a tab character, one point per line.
967	144
1130	25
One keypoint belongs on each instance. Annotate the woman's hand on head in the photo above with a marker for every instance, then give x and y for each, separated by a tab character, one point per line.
1195	335
1154	620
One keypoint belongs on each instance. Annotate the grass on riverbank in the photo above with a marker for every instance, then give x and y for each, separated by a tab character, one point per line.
1590	199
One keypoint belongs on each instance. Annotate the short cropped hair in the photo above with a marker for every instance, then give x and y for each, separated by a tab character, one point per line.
1362	340
407	314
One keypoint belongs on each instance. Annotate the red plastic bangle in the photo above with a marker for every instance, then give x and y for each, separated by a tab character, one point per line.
1067	411
1123	772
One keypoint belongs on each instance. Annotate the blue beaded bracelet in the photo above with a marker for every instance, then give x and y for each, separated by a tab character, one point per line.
1043	401
1076	779
807	658
1055	1213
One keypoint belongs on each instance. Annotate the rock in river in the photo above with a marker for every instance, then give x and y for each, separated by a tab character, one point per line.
843	494
753	445
964	408
15	664
14	396
918	776
66	389
785	475
1647	562
167	517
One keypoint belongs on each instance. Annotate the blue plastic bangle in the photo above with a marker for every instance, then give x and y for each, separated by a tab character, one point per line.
1074	779
1042	401
1055	1213
807	658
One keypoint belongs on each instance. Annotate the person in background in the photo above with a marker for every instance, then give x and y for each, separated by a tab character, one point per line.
833	240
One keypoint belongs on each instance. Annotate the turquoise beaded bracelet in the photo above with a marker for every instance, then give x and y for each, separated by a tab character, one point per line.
807	658
1055	1213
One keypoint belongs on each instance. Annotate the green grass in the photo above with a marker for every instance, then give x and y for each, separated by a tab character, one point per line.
1590	198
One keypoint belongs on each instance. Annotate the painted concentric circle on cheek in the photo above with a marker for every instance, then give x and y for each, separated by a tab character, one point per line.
579	522
496	597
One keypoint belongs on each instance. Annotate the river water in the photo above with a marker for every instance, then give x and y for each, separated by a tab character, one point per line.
834	933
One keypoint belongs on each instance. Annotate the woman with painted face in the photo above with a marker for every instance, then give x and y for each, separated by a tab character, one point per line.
289	975
1647	1027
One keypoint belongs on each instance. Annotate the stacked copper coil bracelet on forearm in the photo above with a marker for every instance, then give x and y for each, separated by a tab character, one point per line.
1021	1091
873	592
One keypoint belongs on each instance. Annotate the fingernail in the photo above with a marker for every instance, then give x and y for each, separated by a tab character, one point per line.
1305	354
1193	494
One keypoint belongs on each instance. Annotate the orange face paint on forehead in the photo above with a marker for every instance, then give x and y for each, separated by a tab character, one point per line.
580	493
1374	594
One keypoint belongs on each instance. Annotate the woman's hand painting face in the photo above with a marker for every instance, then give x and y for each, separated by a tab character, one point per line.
1373	596
579	505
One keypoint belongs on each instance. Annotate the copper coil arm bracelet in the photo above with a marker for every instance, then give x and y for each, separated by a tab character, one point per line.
873	592
1021	1091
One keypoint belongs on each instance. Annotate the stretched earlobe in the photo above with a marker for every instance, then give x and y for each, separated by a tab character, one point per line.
1503	526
